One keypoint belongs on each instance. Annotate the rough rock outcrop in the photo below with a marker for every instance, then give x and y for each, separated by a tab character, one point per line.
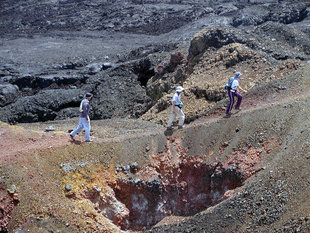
8	201
270	38
167	75
8	93
42	106
286	13
210	69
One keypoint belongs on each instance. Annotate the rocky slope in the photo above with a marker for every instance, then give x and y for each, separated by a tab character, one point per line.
216	54
114	49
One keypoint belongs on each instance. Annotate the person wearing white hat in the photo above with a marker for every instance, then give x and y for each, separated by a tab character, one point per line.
232	92
176	109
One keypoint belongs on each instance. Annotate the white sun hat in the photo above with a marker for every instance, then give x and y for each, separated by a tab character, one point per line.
179	89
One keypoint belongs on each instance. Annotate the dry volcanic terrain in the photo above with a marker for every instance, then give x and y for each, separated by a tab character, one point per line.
246	173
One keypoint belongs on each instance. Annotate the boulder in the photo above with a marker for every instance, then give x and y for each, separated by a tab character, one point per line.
287	13
93	68
43	106
67	113
119	95
8	93
251	15
228	9
107	65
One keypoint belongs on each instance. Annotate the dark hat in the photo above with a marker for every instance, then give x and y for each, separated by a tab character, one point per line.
89	95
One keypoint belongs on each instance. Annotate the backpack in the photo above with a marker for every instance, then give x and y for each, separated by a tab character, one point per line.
228	84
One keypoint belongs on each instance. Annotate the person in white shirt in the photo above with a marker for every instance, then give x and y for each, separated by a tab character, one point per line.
176	109
232	92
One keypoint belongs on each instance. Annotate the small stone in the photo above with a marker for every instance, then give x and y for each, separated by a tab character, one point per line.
225	144
18	230
97	188
126	168
50	128
106	65
12	189
134	167
137	181
93	68
147	148
68	187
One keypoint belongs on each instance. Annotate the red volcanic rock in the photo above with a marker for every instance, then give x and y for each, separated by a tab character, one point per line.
7	203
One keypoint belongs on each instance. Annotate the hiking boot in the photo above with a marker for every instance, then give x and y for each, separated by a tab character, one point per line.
89	141
227	115
169	128
238	109
180	127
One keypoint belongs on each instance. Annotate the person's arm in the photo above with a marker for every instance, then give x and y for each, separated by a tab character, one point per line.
245	91
86	111
173	106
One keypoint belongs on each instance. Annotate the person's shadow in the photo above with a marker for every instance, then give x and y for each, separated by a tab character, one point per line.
73	140
76	142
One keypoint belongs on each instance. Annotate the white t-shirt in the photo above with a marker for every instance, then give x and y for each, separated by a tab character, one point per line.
234	85
176	98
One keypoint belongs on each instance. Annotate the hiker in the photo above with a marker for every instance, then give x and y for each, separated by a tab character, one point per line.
232	86
84	121
176	109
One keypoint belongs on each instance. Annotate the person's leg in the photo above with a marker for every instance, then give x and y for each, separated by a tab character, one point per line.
181	116
239	96
77	129
86	125
172	116
231	101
